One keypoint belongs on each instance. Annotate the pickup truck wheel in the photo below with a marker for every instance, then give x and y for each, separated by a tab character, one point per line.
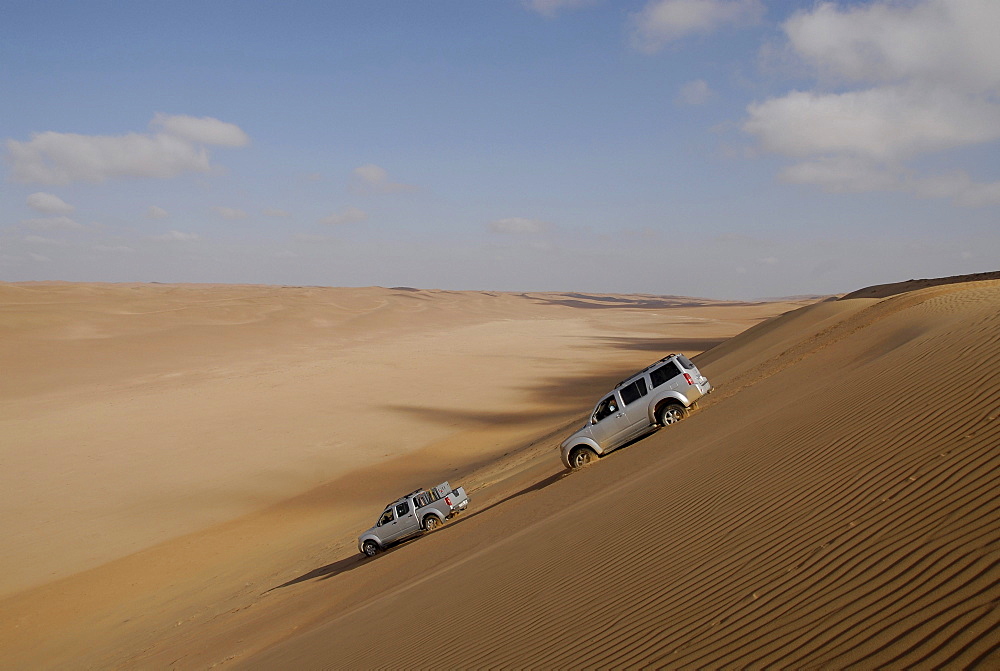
581	456
671	413
431	523
370	548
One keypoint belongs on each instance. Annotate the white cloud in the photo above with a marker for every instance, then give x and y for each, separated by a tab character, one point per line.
695	93
204	130
370	178
230	213
843	174
349	216
926	75
950	42
39	240
663	21
113	249
48	203
39	258
518	226
275	212
177	236
960	188
156	212
550	8
61	158
887	124
51	224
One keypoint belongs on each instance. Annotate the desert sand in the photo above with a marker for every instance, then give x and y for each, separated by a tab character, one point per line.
186	470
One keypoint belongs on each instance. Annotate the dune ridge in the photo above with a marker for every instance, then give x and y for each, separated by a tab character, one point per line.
838	509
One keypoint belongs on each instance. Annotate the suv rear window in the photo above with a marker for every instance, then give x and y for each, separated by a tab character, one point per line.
633	392
667	371
686	362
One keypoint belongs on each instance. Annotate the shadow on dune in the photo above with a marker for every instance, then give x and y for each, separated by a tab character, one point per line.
664	345
328	571
597	302
450	416
562	394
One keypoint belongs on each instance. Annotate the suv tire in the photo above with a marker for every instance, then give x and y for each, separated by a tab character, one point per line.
581	456
671	413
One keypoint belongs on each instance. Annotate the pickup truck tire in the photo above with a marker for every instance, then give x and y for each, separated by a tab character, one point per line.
370	548
671	413
431	523
581	456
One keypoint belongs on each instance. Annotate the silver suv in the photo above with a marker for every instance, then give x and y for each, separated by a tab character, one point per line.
656	396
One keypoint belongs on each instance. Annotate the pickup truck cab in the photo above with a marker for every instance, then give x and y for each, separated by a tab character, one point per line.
420	511
658	395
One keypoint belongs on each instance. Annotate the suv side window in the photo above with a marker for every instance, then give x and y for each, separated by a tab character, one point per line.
666	372
633	392
402	509
386	517
606	407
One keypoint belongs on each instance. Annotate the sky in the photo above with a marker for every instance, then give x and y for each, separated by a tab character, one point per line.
732	149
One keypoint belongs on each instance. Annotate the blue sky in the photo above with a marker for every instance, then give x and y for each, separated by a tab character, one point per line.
720	148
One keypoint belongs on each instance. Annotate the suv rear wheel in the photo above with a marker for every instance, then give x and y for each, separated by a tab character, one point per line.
671	413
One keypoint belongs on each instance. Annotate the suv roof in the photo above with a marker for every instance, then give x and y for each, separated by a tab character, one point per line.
637	374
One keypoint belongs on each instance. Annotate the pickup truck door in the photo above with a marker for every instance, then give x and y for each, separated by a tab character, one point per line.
610	425
406	519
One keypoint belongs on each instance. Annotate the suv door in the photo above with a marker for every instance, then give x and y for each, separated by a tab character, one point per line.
609	423
638	413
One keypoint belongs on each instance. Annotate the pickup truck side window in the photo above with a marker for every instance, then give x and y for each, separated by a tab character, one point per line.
605	408
386	517
666	372
633	392
402	509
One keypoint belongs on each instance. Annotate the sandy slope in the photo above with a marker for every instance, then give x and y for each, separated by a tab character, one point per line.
834	504
171	454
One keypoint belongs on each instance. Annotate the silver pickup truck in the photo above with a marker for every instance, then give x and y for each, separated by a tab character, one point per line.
422	510
658	395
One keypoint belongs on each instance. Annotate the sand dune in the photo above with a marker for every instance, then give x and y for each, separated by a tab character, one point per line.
168	450
839	509
833	503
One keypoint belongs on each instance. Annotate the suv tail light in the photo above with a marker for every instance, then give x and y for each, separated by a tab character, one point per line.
447	500
689	380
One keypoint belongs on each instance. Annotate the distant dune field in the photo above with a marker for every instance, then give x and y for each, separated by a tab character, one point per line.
172	452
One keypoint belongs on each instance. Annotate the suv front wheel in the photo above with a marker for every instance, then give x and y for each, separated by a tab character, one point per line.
581	456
